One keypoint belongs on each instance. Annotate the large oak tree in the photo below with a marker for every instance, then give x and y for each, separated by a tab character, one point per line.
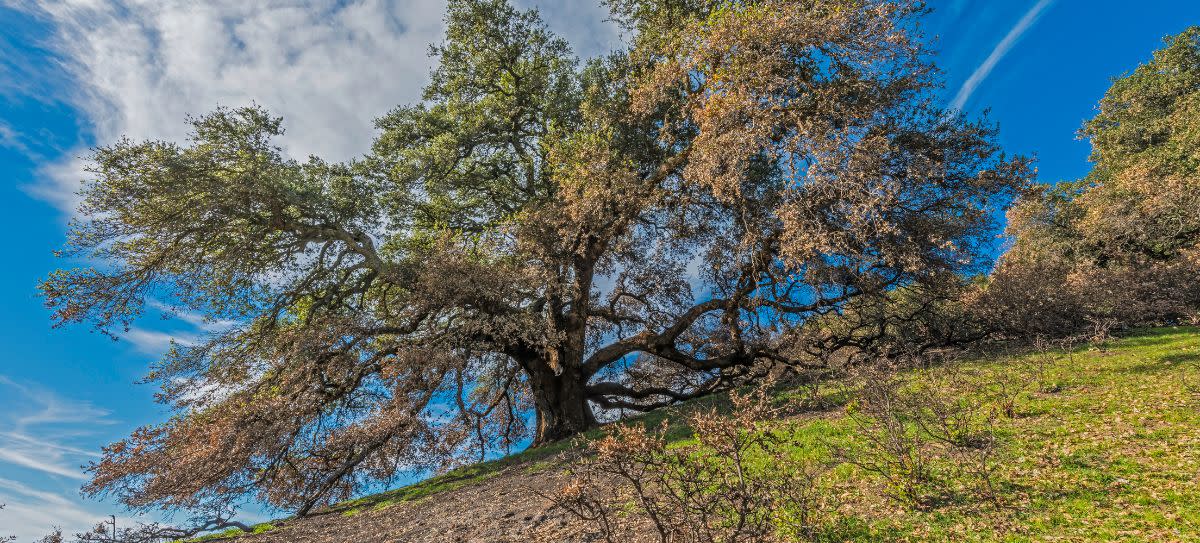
537	235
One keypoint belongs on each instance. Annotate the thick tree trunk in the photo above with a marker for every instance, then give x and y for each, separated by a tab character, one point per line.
561	403
557	380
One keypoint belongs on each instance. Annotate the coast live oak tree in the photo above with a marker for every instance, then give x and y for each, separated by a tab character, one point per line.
535	236
1122	244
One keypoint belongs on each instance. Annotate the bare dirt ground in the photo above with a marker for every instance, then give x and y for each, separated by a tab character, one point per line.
506	507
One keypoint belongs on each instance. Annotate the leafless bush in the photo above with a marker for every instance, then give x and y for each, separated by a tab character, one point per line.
916	435
1100	332
1006	390
959	412
891	446
713	489
1046	353
1044	356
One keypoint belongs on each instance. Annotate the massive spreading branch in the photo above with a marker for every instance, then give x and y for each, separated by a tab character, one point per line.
535	236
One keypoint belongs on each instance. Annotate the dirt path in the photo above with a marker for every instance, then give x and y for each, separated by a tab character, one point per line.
505	508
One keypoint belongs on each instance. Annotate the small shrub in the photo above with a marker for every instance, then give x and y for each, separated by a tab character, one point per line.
737	481
1100	332
1045	355
919	435
890	445
1006	390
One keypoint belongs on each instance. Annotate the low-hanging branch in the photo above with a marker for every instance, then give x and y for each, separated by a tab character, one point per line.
538	233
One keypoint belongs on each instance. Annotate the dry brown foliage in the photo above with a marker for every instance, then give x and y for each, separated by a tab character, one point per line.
714	489
1054	296
524	236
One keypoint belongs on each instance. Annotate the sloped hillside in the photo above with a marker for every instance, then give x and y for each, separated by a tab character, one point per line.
1101	444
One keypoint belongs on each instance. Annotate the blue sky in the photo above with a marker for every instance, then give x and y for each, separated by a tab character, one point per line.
75	73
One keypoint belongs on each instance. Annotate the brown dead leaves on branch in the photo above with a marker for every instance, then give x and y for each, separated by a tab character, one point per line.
537	237
713	488
1123	243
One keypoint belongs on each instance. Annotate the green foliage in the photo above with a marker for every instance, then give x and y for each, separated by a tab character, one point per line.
1149	117
1122	244
474	153
519	241
1146	149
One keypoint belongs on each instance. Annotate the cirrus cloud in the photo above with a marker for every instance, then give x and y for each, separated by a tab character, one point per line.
998	53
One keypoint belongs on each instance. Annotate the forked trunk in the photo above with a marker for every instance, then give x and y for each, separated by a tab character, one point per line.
561	404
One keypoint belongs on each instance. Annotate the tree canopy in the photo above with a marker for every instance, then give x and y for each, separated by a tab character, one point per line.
538	244
1123	243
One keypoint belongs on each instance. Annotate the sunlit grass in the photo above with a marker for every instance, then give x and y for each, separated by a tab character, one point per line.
1103	444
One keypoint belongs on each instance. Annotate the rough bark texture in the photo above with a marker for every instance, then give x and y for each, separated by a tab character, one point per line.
561	404
535	234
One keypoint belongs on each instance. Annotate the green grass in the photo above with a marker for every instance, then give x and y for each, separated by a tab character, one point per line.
1104	446
231	533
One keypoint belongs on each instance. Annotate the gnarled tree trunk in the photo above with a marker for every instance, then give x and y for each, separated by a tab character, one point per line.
560	401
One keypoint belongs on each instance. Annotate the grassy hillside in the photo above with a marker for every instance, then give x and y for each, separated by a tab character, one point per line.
1104	445
1097	444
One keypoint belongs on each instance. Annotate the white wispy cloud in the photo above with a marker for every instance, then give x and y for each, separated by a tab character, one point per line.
30	513
34	435
985	69
50	445
40	442
330	67
32	459
13	140
43	407
196	320
196	327
154	342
